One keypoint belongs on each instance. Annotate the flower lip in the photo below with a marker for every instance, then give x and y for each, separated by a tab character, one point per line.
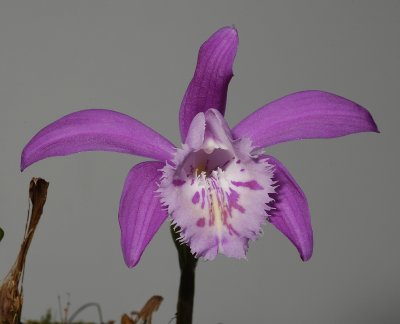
217	191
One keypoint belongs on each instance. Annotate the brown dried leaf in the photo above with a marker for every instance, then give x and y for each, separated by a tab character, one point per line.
149	308
11	290
125	319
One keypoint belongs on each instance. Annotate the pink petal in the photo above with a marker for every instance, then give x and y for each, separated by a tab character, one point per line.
209	85
140	211
306	114
290	213
96	130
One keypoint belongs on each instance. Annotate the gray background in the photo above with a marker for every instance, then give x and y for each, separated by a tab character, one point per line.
137	57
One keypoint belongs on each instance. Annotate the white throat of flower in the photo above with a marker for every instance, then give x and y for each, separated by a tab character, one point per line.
217	193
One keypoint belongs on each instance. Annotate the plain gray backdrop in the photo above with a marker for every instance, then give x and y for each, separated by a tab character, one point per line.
137	57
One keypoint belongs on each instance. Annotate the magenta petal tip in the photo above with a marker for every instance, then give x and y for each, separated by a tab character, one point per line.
214	70
96	130
305	114
140	212
291	214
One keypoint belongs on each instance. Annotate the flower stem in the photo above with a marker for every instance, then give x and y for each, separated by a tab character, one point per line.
187	264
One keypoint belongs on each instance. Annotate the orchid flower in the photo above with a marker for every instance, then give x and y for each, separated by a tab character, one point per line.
219	188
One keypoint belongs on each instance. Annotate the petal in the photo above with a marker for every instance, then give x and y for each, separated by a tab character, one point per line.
306	114
140	211
209	85
96	130
290	213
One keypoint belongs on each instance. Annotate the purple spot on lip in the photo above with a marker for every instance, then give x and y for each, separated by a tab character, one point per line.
178	182
201	222
171	164
233	198
238	161
253	185
241	170
196	198
232	230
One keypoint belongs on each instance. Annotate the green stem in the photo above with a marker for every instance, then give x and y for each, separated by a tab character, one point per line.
187	264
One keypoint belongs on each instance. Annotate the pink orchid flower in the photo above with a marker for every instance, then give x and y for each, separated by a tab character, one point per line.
219	188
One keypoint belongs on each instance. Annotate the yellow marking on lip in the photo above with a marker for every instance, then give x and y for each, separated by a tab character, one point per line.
217	217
